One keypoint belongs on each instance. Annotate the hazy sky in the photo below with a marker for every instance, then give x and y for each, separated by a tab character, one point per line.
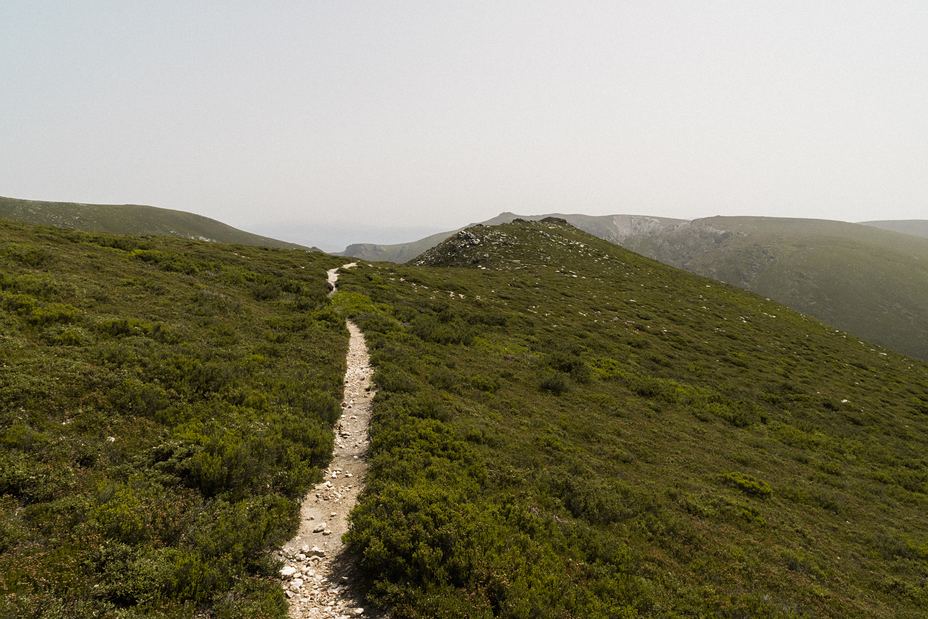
284	116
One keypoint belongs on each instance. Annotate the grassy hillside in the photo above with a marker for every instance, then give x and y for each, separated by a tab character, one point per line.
129	219
163	405
915	227
399	252
568	429
871	282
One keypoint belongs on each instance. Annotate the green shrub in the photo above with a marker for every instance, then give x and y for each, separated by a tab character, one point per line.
484	383
555	383
22	304
442	378
209	302
21	436
122	243
29	480
567	360
53	313
748	485
67	335
258	598
418	534
136	397
167	261
29	255
221	463
266	291
392	378
122	514
740	416
599	501
449	331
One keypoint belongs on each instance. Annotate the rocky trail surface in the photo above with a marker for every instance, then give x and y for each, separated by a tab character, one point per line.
317	576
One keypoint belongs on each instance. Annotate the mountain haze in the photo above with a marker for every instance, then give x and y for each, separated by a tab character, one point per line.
130	219
915	227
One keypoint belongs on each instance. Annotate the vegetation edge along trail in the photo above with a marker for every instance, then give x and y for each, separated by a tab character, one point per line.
164	405
317	573
565	428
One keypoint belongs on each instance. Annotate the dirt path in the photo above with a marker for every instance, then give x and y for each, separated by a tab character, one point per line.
332	276
316	575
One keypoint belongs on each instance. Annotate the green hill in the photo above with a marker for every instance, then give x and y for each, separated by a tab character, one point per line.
915	227
130	219
615	228
163	405
567	429
871	282
399	252
563	428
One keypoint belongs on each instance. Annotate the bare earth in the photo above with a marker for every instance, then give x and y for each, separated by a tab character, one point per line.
317	575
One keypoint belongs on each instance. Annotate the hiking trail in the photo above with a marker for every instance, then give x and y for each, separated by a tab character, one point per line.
316	574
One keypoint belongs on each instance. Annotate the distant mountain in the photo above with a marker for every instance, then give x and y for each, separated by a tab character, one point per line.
399	252
615	228
915	227
130	219
871	282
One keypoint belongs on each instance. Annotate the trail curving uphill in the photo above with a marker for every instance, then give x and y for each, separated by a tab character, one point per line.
316	574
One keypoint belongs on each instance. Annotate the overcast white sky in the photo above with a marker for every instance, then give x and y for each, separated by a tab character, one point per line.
304	117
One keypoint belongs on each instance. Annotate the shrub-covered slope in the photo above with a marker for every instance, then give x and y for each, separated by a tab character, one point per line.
130	219
163	405
567	429
871	282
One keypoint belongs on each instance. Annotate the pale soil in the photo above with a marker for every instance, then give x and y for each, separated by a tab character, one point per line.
317	574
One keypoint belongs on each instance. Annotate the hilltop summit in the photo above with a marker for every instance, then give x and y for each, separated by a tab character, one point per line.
517	244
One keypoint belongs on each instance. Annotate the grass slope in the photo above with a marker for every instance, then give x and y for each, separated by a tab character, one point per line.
129	219
871	282
568	429
857	277
915	227
399	252
164	403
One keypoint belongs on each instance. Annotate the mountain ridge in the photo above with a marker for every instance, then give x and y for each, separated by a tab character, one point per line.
137	219
861	278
